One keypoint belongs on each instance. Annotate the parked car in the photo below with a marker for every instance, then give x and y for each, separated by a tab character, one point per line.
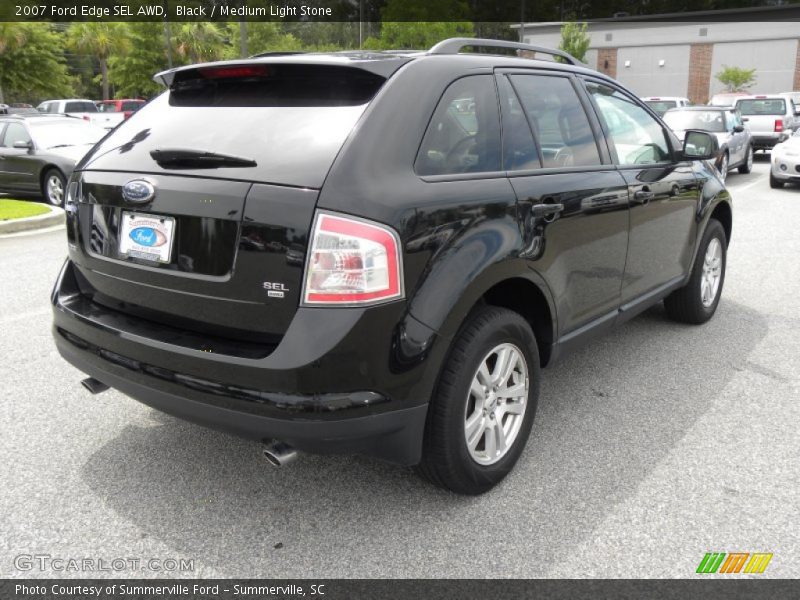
39	152
120	109
408	267
726	98
662	104
80	108
771	119
785	167
794	96
19	108
735	145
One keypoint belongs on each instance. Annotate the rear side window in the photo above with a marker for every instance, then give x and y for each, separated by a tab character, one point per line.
636	136
558	120
464	133
80	107
519	148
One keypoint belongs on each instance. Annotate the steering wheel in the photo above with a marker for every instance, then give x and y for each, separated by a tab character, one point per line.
456	159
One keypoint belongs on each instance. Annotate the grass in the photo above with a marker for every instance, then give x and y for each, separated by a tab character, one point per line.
19	209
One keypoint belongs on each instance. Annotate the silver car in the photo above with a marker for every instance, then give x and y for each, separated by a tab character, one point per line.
785	163
735	144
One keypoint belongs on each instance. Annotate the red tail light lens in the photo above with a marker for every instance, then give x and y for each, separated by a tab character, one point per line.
235	72
352	261
778	125
86	118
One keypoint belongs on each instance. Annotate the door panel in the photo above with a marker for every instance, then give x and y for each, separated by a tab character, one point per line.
573	208
664	193
18	164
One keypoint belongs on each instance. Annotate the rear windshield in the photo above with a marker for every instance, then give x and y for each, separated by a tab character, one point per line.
762	106
661	106
71	107
291	120
707	120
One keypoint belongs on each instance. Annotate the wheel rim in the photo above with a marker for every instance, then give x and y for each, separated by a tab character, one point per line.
55	190
749	159
712	273
723	168
496	404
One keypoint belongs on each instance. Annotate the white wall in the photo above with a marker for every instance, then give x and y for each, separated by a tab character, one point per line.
645	78
773	60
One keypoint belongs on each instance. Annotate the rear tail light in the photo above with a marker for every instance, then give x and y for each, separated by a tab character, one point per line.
86	118
778	125
352	261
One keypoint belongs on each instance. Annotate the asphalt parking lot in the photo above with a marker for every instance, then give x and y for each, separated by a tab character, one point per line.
652	446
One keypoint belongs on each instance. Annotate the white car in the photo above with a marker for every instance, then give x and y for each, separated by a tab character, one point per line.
785	163
661	104
83	109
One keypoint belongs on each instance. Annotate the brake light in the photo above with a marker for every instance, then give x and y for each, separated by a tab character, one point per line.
778	125
352	261
86	118
234	72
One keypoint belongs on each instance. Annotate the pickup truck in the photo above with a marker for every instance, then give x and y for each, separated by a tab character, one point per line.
771	119
83	109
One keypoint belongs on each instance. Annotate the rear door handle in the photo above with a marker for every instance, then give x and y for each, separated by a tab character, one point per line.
643	196
546	210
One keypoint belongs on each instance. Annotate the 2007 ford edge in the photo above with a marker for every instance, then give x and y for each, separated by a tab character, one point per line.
377	253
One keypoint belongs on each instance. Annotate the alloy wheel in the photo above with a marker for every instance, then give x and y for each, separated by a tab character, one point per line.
712	273
496	404
55	190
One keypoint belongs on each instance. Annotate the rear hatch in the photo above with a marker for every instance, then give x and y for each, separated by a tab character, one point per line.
196	211
763	115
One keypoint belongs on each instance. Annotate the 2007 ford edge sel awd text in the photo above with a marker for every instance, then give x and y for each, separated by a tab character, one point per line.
376	253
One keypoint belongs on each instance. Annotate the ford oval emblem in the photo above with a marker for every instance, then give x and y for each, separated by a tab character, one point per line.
138	191
147	236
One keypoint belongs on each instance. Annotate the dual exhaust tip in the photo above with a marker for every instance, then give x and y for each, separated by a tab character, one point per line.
277	453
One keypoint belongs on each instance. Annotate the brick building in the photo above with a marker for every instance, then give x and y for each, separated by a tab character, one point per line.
680	54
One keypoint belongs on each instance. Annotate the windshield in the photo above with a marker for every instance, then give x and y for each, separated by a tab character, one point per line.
73	132
707	120
762	106
661	106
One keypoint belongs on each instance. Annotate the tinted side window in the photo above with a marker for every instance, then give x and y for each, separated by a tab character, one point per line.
558	120
80	107
130	106
464	133
15	133
636	136
519	148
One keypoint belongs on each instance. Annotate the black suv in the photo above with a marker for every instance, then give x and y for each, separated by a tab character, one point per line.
377	252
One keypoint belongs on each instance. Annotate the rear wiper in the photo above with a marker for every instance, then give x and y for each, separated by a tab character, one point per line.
198	159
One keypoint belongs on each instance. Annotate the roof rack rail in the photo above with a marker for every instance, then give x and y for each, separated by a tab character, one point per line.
454	46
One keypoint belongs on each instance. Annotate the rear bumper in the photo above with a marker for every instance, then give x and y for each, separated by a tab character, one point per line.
324	396
768	140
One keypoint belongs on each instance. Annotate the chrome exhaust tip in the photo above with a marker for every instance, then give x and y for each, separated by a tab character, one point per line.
93	385
278	453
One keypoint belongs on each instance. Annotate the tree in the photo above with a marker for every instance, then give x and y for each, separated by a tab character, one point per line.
100	40
199	42
736	79
132	73
417	35
575	40
12	37
261	37
32	65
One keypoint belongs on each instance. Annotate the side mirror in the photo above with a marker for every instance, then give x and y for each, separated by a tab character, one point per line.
738	129
23	145
700	145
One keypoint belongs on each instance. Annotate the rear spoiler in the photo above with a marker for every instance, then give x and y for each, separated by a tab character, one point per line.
383	65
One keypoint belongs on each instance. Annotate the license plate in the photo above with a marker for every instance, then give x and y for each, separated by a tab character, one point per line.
148	237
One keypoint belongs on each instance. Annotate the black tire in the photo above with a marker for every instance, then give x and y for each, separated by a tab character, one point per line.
747	165
774	183
446	461
685	304
51	197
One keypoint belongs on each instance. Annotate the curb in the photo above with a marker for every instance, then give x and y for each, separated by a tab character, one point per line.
55	217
